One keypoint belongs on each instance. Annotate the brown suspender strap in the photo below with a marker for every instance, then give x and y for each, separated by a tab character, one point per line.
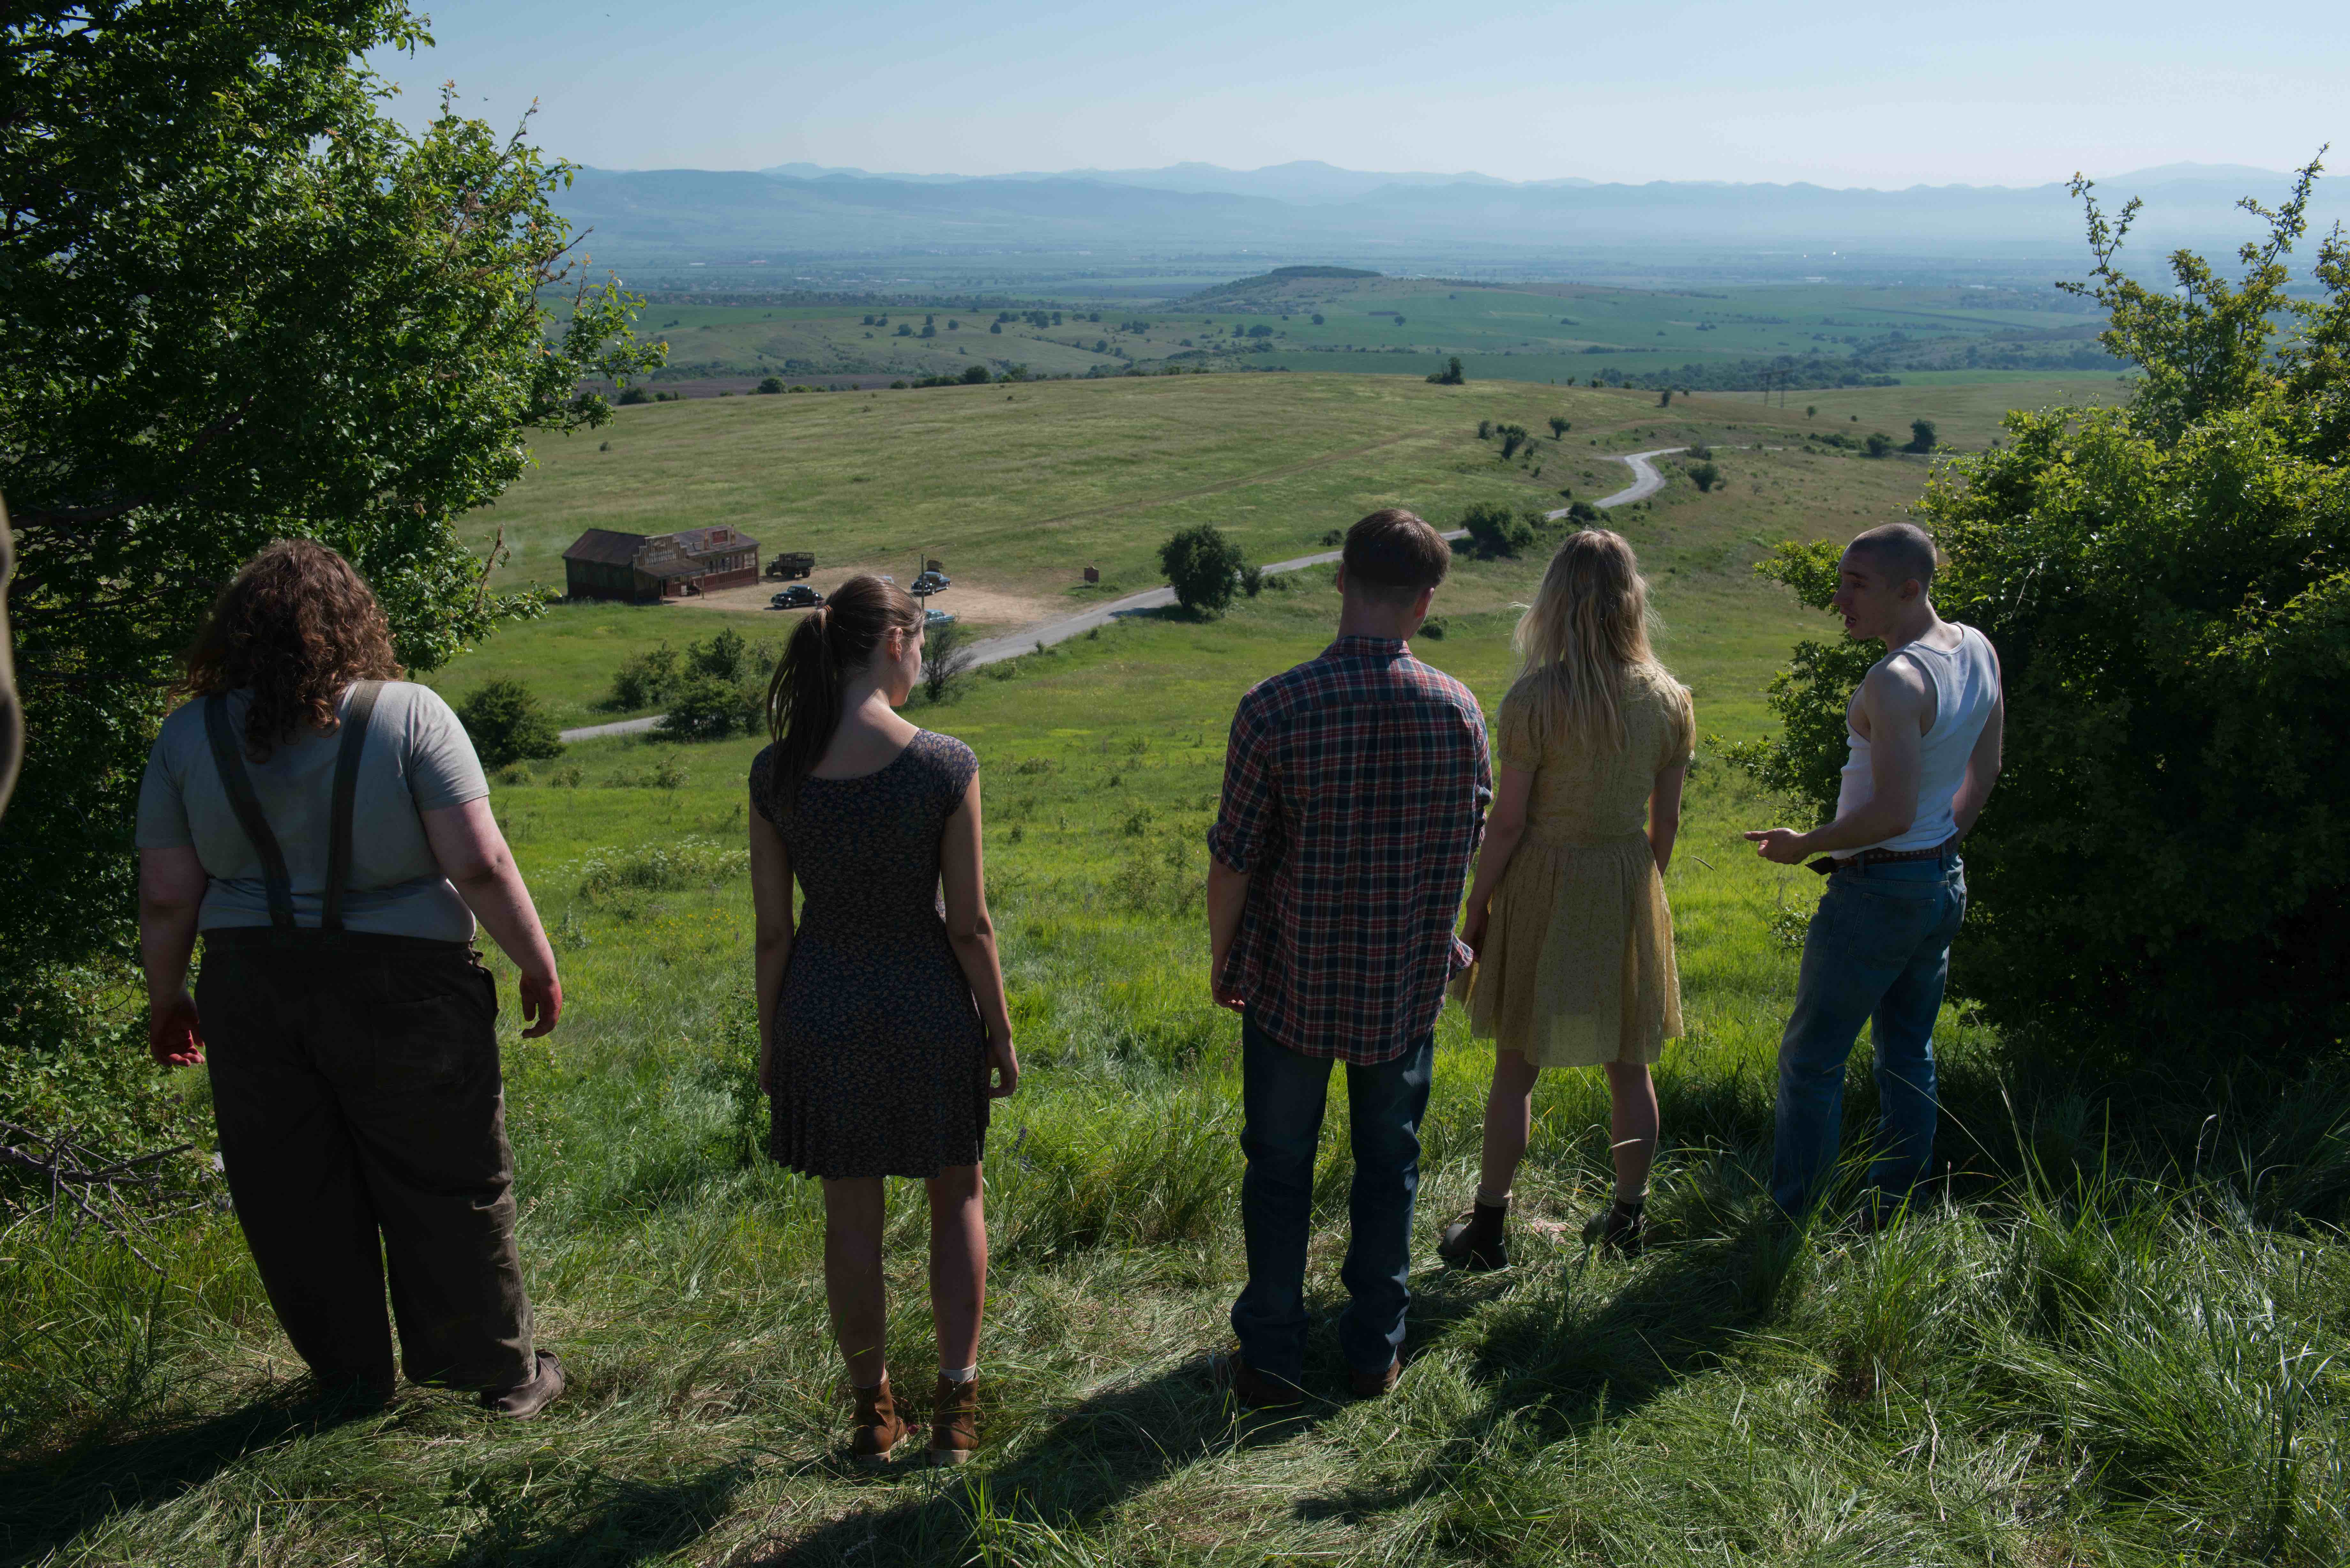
228	756
347	784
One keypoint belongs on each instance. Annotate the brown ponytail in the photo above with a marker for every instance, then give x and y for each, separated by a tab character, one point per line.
832	642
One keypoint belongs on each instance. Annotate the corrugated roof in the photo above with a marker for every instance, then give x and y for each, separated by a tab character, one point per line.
604	545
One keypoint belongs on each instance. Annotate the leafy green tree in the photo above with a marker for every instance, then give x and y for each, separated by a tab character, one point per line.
974	375
706	708
1495	530
947	653
997	327
1705	476
724	656
1921	435
630	396
1484	429
1513	437
508	724
1251	580
2168	583
1559	426
645	679
1878	444
1453	375
772	384
1317	319
1664	397
262	309
1203	567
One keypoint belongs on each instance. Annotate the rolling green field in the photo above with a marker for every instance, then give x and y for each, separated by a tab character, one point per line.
2113	1336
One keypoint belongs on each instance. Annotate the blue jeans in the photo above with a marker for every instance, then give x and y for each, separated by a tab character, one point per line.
1879	952
1282	1097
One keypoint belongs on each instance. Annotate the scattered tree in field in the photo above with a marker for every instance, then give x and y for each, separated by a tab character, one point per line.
1251	580
508	724
1202	567
1921	435
1583	514
1665	399
772	384
1495	530
2158	869
903	330
723	658
1453	375
952	325
645	679
1559	426
705	707
997	327
1705	476
1317	319
928	329
631	396
1513	437
262	310
946	658
1811	409
1878	444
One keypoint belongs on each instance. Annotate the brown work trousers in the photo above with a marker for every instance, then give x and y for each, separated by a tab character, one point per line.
362	1121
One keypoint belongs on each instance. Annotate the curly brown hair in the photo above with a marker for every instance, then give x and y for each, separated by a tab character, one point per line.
295	625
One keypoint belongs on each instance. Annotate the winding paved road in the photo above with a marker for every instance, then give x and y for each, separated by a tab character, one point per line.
1646	481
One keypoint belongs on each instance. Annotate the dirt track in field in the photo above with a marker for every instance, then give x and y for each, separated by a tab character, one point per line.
985	607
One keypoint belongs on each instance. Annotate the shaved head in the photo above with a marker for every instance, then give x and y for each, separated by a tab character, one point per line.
1901	551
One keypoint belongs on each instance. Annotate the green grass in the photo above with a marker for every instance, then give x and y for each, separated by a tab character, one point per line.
2113	1337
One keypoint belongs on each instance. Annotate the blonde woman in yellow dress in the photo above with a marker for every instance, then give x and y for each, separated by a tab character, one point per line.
1567	914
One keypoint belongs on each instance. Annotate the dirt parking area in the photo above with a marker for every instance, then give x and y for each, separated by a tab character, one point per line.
983	608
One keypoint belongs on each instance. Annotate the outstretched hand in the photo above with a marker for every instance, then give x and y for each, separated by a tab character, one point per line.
1781	846
175	1035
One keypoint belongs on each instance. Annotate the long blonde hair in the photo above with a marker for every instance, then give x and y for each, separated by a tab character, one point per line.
1588	630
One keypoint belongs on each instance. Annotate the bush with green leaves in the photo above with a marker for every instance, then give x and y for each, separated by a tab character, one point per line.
1705	476
772	384
1878	444
1251	580
705	707
1453	375
2167	582
508	725
1921	436
1494	529
645	680
1513	437
631	396
1559	426
1203	567
725	656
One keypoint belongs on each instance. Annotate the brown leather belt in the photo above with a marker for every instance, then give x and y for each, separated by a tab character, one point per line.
1828	863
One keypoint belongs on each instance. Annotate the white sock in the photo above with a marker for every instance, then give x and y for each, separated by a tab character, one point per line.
959	1373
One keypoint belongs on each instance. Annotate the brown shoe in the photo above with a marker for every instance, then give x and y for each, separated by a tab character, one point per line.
1479	1239
877	1429
526	1399
1377	1385
1256	1390
954	1421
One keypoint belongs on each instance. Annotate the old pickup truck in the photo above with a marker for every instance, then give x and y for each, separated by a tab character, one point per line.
792	564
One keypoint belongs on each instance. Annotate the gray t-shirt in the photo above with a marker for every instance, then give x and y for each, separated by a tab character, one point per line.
417	758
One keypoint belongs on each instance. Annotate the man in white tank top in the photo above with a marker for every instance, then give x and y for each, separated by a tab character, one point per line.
1924	732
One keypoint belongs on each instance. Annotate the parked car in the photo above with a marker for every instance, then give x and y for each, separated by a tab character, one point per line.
937	617
797	596
931	583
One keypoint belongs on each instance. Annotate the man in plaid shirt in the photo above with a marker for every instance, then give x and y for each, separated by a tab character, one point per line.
1354	795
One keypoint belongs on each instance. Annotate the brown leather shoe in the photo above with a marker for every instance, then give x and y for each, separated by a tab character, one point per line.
1377	1385
1256	1390
954	1421
878	1428
524	1400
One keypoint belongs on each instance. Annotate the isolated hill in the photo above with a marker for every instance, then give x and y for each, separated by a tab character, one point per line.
1198	208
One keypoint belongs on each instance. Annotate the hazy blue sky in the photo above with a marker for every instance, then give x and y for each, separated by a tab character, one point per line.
1986	93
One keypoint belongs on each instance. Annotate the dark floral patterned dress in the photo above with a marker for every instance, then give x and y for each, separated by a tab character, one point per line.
880	1060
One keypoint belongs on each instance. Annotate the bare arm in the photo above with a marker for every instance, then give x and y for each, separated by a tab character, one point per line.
771	940
1893	701
171	892
1506	828
1983	763
1665	814
473	854
963	873
1227	901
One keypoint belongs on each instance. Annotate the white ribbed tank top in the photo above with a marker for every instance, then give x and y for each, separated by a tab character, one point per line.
1966	685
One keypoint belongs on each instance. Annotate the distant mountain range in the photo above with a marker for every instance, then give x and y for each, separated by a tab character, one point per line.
807	209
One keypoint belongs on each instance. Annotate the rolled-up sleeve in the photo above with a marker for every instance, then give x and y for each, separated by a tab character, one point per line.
1248	833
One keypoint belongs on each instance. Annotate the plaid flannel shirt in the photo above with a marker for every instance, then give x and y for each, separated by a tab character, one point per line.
1354	795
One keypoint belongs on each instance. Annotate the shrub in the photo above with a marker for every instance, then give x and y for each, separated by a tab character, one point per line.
1334	537
946	658
772	384
1251	580
1921	436
708	708
687	862
507	726
1453	375
724	656
1878	444
1202	565
2166	584
1582	514
1705	476
1513	438
631	396
1559	426
645	680
1484	429
1495	530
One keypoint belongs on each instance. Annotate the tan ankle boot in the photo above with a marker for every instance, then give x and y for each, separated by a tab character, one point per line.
954	1421
878	1428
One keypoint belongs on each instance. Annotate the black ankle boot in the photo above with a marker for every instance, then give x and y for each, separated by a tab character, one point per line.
1477	1241
1621	1229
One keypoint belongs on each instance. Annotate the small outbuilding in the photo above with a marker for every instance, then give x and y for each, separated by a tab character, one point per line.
644	567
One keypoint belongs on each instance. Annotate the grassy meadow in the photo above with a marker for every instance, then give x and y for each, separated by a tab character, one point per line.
2113	1335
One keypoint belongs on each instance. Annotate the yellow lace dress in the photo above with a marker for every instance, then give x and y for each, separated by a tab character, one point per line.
1577	966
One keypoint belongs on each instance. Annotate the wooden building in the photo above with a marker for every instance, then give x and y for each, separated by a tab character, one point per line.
642	567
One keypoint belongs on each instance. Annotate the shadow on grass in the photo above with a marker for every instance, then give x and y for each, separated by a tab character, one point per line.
46	1503
1092	1457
